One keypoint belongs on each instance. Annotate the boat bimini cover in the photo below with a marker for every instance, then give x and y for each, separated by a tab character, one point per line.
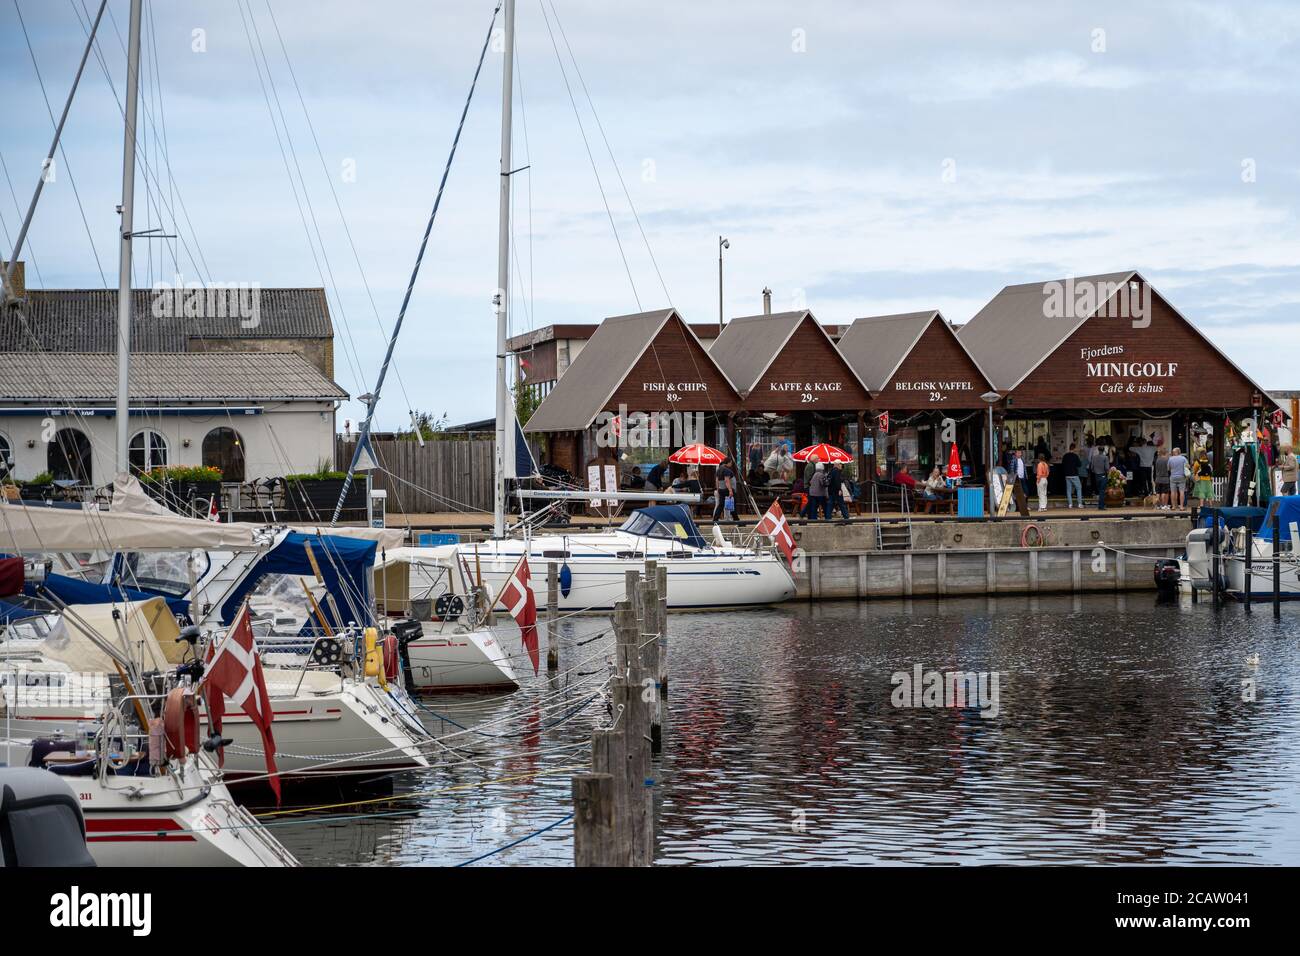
665	521
345	565
72	590
149	627
1235	517
1287	510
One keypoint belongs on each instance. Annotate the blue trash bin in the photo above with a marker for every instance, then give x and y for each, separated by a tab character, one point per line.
970	502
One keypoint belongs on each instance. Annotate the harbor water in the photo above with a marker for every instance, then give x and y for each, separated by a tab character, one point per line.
1123	730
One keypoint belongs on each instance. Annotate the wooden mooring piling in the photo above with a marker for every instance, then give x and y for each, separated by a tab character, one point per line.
613	803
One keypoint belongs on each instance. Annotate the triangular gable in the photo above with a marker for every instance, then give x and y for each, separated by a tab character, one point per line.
674	372
1149	357
806	372
935	371
650	361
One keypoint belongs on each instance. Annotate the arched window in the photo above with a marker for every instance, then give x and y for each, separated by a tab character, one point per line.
68	458
224	449
148	451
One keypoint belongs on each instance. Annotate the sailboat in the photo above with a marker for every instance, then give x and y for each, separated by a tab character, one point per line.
701	573
333	718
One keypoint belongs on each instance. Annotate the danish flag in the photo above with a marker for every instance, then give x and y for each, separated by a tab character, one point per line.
518	598
213	513
777	528
234	670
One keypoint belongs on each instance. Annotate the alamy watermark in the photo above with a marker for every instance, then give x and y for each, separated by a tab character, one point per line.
648	429
211	300
1083	298
922	688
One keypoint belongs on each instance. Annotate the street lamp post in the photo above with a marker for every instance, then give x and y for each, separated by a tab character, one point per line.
991	398
722	244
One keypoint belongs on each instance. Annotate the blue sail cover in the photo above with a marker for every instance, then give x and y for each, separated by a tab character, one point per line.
75	591
345	565
525	467
15	612
1287	509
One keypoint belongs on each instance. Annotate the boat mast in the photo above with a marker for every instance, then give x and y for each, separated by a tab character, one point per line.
503	417
127	209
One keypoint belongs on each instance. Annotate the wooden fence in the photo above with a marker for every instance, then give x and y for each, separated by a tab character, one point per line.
444	475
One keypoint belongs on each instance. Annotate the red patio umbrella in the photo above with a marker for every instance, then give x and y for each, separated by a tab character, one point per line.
824	452
697	454
954	462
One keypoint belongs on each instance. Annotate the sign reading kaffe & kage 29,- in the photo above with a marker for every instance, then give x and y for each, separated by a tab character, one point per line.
807	393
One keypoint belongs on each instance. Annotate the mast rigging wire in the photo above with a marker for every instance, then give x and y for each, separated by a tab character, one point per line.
363	439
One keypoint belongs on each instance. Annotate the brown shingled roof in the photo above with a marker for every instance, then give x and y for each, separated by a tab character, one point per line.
164	377
85	320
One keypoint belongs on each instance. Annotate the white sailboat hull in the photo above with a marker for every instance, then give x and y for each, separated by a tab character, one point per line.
698	578
448	657
184	818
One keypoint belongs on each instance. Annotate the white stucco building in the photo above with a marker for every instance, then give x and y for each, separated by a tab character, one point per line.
255	401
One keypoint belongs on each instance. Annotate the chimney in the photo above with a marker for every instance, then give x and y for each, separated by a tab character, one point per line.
19	280
767	299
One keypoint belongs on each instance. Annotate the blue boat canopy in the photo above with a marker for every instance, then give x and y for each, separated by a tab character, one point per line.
1234	517
1287	510
345	565
665	521
15	612
75	591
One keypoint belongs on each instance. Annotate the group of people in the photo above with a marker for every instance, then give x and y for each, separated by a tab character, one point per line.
1142	468
659	479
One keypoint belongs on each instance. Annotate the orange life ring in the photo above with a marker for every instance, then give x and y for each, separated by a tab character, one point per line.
180	724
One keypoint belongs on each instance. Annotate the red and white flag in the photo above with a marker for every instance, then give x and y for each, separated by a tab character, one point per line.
213	514
518	598
777	528
234	670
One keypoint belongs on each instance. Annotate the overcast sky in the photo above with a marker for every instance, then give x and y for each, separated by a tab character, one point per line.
862	158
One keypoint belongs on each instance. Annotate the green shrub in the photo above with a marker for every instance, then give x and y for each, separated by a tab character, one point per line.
181	473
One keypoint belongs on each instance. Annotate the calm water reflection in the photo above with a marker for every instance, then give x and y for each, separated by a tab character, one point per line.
783	746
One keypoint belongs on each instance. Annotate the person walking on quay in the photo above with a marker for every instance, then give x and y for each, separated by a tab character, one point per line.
1160	475
817	500
1178	467
809	468
1290	470
835	492
1074	470
725	491
1202	478
1099	465
1041	473
1021	472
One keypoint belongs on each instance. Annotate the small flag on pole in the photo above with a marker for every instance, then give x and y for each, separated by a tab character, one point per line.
518	598
777	528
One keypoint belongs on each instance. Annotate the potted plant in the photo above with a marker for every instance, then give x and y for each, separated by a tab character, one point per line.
1115	486
313	495
177	485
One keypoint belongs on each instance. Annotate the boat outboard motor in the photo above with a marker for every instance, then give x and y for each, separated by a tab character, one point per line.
1166	574
406	631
